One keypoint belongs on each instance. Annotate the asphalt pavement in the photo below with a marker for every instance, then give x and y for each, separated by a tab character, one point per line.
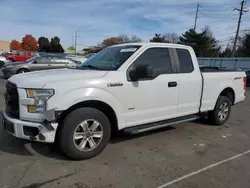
189	155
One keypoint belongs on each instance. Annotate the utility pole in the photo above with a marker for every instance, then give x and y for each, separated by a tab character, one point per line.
196	16
76	39
241	10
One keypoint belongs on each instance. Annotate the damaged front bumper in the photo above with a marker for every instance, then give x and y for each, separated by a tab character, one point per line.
40	132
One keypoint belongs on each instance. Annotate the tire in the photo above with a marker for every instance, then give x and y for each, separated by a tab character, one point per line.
21	71
221	112
70	126
1	64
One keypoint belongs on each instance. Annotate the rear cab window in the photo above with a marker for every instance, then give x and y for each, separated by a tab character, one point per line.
185	60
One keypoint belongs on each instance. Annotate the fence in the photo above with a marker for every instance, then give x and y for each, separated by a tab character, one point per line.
231	63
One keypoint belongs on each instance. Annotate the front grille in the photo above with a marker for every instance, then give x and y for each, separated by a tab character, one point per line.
11	100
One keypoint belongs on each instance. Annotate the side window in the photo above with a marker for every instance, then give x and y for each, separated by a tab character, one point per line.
21	53
44	60
186	63
59	60
157	58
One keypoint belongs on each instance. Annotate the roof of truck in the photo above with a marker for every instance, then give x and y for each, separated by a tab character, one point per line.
154	44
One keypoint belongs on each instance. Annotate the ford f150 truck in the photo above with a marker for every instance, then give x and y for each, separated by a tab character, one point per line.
133	87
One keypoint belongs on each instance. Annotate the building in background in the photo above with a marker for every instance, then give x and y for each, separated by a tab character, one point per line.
4	46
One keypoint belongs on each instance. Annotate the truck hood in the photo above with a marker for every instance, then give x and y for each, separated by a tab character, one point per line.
39	79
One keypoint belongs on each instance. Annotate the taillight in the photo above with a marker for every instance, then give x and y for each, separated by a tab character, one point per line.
245	82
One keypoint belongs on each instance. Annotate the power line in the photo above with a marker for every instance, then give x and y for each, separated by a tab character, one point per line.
213	10
216	17
241	10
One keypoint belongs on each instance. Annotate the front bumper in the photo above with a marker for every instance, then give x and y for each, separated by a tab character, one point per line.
8	72
30	130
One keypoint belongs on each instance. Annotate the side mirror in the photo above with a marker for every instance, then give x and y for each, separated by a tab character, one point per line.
141	72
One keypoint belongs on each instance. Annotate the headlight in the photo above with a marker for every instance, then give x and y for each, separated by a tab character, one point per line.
8	66
40	96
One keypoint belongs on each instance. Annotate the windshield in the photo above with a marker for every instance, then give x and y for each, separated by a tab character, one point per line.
32	59
89	55
110	58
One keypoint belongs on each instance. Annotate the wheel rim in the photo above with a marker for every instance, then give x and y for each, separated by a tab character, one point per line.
88	135
223	111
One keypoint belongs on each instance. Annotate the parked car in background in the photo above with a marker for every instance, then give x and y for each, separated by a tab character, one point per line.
37	63
3	61
79	59
20	56
248	77
89	55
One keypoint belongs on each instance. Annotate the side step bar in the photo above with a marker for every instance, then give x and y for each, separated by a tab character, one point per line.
158	125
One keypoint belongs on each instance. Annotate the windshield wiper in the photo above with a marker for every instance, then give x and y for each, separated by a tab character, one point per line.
90	67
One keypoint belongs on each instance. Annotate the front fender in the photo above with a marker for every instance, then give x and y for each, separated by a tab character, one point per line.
64	101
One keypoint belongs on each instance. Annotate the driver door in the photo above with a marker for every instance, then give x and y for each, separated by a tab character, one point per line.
152	99
20	56
42	63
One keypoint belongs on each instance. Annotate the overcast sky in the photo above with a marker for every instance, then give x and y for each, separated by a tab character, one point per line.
99	19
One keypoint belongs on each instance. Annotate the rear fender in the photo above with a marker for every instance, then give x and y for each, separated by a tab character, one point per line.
224	85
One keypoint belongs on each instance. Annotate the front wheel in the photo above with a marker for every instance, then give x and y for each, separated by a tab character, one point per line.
84	133
221	112
1	64
21	71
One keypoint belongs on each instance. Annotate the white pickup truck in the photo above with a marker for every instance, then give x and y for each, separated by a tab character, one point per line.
133	87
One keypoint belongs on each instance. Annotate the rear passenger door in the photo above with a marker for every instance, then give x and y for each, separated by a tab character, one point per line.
189	82
59	62
153	99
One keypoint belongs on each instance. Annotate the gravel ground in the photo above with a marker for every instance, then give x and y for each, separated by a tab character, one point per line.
186	155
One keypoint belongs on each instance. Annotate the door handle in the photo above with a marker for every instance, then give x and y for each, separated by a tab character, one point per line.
172	84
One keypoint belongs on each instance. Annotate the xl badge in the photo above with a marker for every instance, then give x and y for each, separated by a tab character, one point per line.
116	84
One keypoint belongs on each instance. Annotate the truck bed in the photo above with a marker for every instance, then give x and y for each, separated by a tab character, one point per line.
216	69
216	81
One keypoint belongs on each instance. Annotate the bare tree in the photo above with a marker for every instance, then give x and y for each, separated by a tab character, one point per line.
127	39
124	38
135	38
171	37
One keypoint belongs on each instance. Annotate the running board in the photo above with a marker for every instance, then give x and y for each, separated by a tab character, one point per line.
160	124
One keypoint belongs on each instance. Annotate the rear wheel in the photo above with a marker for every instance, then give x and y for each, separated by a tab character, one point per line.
84	133
21	71
221	112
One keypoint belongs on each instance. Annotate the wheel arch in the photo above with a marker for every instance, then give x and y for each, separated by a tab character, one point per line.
228	92
22	69
99	105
